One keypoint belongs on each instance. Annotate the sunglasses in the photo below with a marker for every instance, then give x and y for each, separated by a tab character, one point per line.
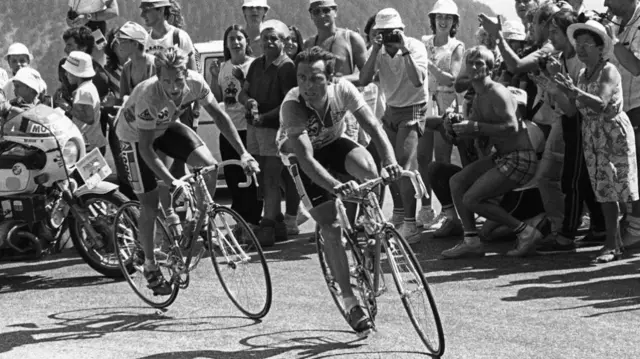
321	10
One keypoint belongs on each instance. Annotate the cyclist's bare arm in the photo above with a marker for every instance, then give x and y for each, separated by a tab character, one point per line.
373	127
151	158
224	123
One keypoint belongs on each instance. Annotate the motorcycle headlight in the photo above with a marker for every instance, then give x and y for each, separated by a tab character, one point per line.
70	153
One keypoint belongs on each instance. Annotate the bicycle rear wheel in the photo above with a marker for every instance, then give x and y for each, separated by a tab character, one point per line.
130	254
239	262
410	281
360	278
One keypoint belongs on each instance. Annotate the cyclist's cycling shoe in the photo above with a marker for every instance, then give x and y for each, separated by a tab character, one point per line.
359	321
157	283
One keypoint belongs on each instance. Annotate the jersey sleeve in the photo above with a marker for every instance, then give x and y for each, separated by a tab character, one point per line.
146	115
351	98
199	87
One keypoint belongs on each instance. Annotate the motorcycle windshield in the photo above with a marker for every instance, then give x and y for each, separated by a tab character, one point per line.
41	121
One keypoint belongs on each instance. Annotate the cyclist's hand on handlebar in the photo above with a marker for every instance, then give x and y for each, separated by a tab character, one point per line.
249	164
346	189
392	172
177	185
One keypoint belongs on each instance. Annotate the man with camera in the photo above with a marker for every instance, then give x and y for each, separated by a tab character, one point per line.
624	29
402	65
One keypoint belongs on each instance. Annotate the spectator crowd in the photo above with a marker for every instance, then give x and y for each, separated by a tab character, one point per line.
542	112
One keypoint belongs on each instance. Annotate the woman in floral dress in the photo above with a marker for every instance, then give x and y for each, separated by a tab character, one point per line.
608	137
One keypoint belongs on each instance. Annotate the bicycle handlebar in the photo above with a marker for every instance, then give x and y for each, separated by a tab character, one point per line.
207	169
414	176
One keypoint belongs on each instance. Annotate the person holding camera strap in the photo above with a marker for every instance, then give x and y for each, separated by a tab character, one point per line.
624	29
402	65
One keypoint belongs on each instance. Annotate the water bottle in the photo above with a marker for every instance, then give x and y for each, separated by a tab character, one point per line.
174	224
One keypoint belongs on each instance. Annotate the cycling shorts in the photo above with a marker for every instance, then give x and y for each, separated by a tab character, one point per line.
332	157
177	142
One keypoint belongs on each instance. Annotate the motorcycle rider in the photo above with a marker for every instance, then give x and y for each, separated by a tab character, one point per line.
149	123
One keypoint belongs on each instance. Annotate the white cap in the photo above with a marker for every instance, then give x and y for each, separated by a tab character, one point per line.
79	64
514	30
255	3
133	31
315	3
18	48
152	4
30	77
447	7
276	25
388	18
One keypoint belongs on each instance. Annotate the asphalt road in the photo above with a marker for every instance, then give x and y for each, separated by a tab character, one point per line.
497	307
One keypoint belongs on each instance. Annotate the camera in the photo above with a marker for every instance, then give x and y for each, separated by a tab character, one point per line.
389	37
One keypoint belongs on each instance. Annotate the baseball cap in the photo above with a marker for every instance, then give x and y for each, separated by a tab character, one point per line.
31	77
255	3
133	31
152	4
276	25
388	18
18	48
317	3
79	64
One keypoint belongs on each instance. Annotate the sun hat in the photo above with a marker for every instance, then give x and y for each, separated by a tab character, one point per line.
276	25
79	64
514	30
152	4
595	27
447	7
18	48
255	3
388	19
316	3
31	77
133	31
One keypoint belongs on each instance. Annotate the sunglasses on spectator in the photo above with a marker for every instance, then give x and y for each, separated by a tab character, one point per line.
321	10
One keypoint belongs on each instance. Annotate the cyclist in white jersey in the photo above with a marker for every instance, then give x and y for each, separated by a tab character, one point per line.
312	127
149	131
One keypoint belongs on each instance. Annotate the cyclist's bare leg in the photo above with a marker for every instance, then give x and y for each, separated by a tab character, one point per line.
202	157
149	211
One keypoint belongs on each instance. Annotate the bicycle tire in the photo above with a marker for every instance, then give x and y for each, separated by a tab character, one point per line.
357	272
125	224
225	254
436	348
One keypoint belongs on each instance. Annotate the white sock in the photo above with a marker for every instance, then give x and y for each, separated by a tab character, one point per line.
350	302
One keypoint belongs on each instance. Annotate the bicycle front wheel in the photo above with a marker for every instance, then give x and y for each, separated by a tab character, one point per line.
131	256
414	291
239	262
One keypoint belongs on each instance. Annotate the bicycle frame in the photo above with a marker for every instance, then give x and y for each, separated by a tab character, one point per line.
204	207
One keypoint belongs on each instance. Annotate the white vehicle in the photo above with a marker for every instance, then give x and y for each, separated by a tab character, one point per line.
209	52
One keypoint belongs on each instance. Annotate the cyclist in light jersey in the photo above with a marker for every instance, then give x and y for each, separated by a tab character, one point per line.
149	131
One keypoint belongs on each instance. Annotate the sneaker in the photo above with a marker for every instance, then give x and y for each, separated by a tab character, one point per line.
156	282
426	217
281	232
358	320
592	239
292	225
526	244
585	222
267	233
397	219
556	243
449	228
467	248
410	232
303	215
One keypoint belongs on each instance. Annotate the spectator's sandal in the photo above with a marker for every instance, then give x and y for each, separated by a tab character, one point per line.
607	256
157	283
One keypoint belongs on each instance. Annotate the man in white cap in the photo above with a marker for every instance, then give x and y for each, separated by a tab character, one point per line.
402	64
254	12
18	56
28	85
268	80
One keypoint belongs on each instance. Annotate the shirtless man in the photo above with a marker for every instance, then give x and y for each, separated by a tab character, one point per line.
478	186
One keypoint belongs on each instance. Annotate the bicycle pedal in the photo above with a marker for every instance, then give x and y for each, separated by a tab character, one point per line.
367	333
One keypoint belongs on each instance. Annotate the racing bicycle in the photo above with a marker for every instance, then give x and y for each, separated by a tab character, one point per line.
235	252
364	252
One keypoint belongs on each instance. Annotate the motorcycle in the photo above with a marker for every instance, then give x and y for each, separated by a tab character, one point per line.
48	184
